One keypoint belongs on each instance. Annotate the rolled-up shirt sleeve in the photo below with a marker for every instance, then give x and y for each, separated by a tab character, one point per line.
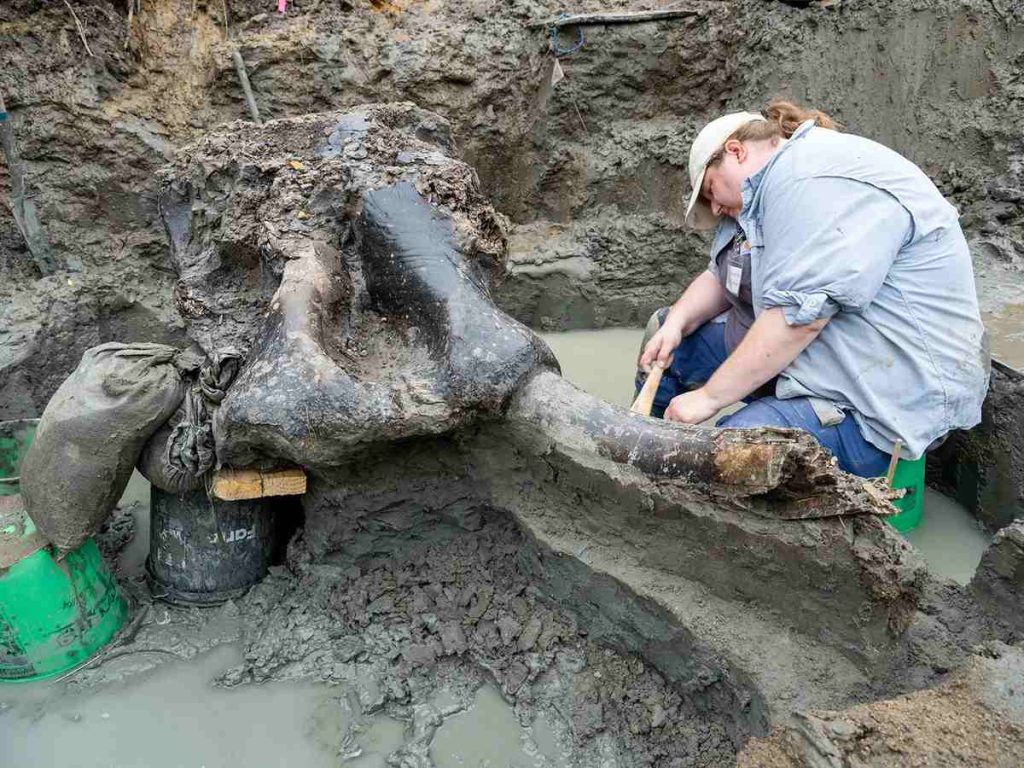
829	243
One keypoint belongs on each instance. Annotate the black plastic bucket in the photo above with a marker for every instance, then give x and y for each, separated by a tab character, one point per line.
204	551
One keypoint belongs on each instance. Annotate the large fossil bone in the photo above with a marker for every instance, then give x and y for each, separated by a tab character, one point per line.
778	472
353	258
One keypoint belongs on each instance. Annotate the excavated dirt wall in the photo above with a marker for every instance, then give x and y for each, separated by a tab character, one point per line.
936	81
983	469
590	170
706	623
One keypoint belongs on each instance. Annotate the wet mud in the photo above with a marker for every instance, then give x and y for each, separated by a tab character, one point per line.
457	612
429	603
973	719
651	608
407	637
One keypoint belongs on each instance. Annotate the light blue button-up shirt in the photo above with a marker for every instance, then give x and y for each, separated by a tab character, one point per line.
845	228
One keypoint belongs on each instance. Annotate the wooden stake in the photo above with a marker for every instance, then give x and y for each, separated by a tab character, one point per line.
81	31
896	448
131	17
637	17
243	75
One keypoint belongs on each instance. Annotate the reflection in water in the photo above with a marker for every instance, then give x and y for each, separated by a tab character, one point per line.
603	363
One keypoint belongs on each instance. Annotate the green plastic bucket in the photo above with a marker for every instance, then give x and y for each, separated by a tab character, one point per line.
909	475
15	438
55	613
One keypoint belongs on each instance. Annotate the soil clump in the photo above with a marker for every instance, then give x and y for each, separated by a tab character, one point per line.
974	719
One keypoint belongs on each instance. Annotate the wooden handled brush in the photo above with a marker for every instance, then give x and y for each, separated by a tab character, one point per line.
645	400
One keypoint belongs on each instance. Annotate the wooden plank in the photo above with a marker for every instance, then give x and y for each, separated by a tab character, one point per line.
241	484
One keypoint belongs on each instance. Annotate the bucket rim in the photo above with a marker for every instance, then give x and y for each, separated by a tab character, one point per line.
169	594
23	420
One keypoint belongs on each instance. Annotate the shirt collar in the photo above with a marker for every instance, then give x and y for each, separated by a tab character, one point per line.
752	183
724	234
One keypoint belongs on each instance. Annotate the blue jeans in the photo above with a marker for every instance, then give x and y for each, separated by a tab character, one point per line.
698	357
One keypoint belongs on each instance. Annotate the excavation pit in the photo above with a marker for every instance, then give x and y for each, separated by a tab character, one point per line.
632	609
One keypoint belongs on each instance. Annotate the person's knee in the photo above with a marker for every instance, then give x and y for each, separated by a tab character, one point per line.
759	413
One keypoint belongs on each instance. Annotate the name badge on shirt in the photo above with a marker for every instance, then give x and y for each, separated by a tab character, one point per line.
733	275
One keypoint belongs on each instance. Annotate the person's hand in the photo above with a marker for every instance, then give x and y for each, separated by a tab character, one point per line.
691	407
660	348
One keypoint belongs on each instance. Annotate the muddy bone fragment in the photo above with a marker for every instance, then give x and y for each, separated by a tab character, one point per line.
414	273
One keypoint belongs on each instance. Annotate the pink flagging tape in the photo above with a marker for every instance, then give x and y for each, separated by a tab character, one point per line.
282	6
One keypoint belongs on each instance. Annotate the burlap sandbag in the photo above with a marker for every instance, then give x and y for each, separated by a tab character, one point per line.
182	453
90	436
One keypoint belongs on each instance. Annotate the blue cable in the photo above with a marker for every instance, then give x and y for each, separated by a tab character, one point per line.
556	47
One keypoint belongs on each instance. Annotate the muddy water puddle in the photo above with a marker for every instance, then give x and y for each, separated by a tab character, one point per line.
1006	334
488	734
602	363
950	540
171	717
174	717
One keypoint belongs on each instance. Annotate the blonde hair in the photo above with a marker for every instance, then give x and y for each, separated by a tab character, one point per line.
782	118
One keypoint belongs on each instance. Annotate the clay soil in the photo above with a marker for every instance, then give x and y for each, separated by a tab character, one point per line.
591	173
946	726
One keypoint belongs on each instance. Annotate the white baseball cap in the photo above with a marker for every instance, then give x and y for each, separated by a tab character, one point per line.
710	139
